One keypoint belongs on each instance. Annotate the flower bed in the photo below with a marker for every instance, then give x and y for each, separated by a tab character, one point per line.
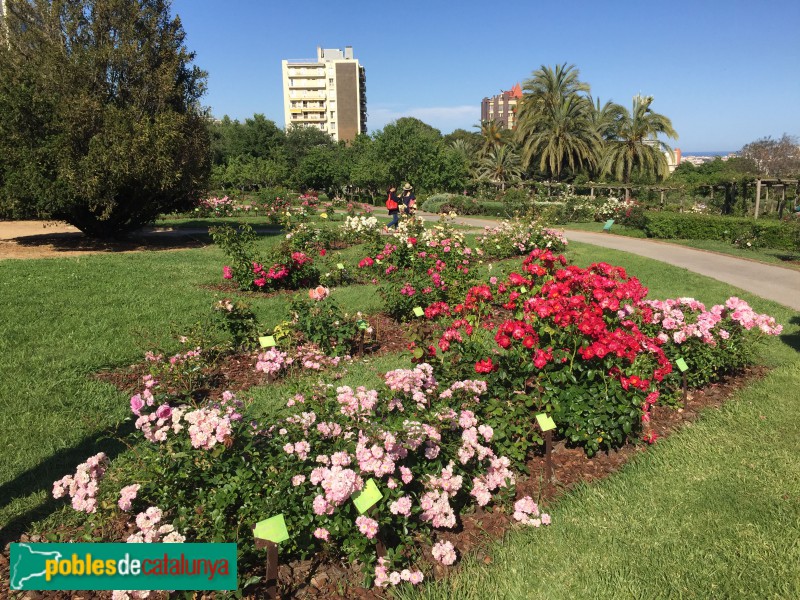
440	441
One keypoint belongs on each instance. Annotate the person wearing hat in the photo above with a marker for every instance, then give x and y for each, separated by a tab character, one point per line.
408	199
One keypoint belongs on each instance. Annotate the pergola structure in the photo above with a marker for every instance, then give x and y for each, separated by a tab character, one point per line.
781	184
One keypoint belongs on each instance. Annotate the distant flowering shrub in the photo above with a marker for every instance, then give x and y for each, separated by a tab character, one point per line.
519	237
215	207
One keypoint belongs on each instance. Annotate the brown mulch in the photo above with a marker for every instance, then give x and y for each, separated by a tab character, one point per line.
237	371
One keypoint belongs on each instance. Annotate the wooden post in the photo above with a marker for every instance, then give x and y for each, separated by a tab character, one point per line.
758	196
548	456
783	202
712	191
685	386
591	192
272	567
361	343
662	197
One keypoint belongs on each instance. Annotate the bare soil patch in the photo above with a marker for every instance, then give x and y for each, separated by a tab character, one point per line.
48	239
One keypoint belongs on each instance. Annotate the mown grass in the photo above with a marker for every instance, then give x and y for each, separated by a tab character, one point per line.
720	498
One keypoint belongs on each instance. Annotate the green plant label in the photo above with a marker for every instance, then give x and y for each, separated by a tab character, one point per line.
681	364
545	422
608	225
362	324
523	290
272	529
366	498
418	311
340	266
267	341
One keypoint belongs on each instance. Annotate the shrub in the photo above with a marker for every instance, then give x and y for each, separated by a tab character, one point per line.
289	269
559	339
687	226
519	237
713	342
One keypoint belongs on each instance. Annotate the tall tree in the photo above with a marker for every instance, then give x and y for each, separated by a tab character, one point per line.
102	124
500	166
555	128
636	144
410	149
774	158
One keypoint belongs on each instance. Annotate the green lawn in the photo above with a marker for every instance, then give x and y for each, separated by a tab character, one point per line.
714	511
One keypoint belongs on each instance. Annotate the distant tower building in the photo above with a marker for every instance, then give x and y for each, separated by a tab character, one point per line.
329	93
502	108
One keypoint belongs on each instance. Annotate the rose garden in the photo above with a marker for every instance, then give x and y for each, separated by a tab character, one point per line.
373	400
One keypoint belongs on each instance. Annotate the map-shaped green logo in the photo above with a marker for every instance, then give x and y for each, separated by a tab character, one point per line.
27	565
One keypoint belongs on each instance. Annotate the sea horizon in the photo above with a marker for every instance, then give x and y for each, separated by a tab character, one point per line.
707	152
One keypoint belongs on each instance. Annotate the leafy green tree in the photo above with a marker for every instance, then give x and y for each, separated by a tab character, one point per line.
102	124
555	128
300	141
410	149
323	168
636	144
257	137
369	173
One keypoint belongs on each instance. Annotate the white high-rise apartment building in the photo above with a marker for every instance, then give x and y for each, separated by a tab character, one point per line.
329	93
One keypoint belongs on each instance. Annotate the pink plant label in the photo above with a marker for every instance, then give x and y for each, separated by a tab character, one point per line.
681	364
272	529
366	498
267	341
545	422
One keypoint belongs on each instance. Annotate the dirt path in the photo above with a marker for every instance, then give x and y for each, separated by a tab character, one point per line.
48	239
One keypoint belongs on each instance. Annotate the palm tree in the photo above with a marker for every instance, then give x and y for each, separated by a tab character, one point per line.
606	120
555	124
500	165
636	144
492	136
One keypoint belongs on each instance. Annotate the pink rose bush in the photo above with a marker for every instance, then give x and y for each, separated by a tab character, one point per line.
713	341
287	268
526	511
83	486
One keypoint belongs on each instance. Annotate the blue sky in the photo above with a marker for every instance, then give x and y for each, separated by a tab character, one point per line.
726	73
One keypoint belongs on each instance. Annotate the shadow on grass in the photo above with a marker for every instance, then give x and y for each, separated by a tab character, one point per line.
204	224
41	477
147	240
792	339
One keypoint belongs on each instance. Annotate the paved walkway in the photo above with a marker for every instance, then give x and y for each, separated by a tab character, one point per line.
767	281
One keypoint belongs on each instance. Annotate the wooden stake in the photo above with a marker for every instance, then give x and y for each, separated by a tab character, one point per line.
685	386
361	344
272	567
548	457
380	547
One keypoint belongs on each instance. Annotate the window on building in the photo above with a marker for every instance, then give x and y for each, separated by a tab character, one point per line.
333	124
333	114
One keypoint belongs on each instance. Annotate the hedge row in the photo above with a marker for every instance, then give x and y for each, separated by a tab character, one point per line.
464	205
763	233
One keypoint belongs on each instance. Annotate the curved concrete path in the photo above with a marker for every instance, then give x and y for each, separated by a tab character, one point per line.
767	281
